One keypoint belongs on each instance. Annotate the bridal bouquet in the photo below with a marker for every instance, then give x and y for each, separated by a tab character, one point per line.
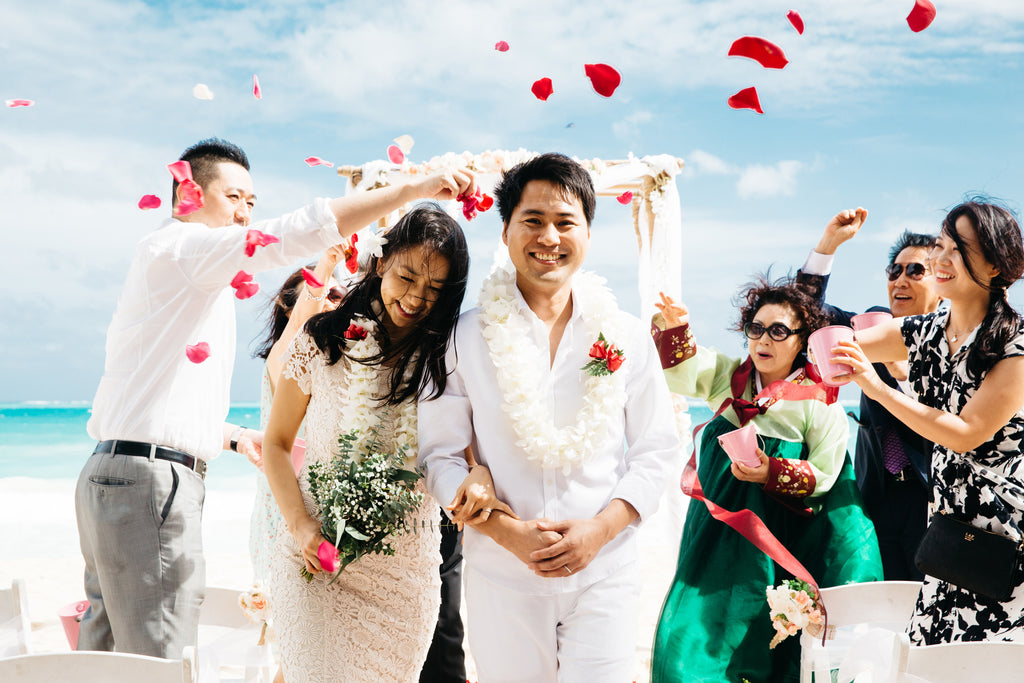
793	608
364	496
254	603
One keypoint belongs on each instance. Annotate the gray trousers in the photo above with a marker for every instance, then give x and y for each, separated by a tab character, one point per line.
140	527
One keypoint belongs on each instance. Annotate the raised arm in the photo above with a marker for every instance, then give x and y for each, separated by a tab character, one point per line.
999	397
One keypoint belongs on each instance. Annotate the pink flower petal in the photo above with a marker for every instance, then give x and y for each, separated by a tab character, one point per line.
246	290
240	278
149	201
191	199
922	16
317	161
395	154
19	103
542	89
328	556
746	99
255	238
311	279
180	170
797	21
197	353
604	78
767	54
625	198
256	92
501	46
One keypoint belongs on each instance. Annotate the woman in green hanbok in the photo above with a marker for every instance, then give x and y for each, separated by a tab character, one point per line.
715	624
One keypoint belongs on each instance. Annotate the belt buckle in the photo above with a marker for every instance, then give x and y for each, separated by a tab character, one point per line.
199	467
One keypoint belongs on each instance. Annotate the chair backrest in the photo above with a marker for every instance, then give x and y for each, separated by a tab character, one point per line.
880	604
15	626
958	662
220	608
110	667
878	601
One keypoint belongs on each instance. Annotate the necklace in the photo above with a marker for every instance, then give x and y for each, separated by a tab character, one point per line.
359	407
519	364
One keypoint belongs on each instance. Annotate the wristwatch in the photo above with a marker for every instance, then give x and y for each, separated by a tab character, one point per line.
235	435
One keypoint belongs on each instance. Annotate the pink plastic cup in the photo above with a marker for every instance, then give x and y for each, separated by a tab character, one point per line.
71	620
866	320
821	343
741	445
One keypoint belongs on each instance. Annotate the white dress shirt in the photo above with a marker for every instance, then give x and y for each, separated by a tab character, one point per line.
632	465
178	293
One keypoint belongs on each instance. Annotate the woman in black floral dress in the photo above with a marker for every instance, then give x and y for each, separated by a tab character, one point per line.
967	367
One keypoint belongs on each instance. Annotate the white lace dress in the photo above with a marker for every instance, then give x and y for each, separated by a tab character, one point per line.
375	623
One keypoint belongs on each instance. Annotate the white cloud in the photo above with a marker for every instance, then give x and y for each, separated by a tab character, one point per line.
629	127
761	182
699	162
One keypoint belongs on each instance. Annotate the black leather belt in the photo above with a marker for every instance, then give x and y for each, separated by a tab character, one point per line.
150	450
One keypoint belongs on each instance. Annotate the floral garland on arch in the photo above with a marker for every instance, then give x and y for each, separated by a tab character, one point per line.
517	361
360	409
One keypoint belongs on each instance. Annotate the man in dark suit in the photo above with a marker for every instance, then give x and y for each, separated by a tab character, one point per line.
892	462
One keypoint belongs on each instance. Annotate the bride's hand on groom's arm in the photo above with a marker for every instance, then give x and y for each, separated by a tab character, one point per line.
475	500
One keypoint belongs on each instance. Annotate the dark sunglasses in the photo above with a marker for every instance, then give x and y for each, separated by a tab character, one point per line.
915	271
776	331
336	295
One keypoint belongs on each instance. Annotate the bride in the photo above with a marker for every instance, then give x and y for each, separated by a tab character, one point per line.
376	620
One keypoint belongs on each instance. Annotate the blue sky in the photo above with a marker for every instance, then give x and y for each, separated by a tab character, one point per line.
866	113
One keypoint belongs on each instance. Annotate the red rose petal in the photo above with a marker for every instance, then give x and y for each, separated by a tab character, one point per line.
767	54
310	278
485	202
240	278
625	198
317	161
542	89
501	46
180	170
19	103
256	92
149	201
255	238
604	78
352	254
191	199
395	154
797	21
197	353
246	290
922	16
746	99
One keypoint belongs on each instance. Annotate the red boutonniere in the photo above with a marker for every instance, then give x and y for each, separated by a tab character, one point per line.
605	358
355	332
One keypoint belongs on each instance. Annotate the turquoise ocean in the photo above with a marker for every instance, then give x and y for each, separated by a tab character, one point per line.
49	441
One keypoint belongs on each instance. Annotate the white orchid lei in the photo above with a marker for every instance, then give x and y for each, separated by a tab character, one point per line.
360	409
519	362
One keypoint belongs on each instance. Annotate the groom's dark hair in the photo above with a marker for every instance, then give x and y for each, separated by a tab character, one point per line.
558	169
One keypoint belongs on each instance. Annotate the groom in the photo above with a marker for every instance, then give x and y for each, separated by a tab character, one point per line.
581	457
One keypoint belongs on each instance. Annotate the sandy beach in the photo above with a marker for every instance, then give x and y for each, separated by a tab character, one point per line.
39	542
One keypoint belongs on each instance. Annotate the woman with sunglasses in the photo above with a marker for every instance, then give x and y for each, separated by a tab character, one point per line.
715	623
966	365
294	304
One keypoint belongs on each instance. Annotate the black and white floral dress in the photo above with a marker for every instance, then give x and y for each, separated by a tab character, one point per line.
984	487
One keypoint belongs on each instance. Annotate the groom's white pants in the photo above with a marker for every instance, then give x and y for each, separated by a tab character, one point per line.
583	636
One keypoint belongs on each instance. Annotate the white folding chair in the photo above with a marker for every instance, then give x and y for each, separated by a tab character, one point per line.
853	610
963	662
110	667
228	641
15	627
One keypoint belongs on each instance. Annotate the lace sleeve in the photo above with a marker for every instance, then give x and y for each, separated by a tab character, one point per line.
298	361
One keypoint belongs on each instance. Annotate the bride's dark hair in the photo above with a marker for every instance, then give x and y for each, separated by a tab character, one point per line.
415	361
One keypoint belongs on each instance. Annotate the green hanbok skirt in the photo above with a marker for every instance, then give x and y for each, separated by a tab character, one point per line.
715	623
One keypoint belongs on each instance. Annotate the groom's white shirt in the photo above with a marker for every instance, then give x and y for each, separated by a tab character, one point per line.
633	464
